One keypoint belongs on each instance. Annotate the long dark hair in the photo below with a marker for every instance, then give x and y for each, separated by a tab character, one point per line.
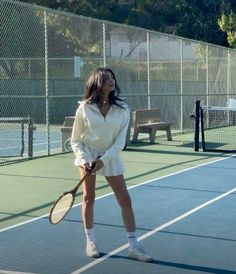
94	86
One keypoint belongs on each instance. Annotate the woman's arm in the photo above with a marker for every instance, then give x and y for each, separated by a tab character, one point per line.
79	148
119	143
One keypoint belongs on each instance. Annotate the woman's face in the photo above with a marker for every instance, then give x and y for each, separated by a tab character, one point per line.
109	82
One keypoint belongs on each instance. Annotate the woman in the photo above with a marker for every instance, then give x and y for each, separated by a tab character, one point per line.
98	135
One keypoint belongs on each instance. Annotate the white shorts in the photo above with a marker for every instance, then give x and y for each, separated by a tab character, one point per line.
113	167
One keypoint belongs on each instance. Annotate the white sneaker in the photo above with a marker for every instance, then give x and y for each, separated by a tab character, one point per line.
140	255
91	250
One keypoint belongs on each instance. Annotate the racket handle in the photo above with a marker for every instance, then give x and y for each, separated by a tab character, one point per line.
93	165
84	177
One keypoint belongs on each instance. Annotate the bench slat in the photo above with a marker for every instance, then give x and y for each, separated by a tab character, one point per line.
161	124
145	115
69	121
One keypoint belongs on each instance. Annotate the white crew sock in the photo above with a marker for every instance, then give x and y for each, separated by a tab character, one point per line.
90	235
132	240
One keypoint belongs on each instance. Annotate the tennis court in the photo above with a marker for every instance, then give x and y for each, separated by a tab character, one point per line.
183	201
21	139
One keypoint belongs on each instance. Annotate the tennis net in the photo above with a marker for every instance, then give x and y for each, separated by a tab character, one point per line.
218	128
16	137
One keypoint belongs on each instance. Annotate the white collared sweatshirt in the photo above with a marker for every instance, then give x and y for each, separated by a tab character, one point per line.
105	135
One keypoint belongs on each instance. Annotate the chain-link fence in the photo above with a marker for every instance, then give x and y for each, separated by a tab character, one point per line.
46	56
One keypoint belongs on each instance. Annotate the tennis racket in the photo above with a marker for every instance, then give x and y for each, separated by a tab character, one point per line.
64	203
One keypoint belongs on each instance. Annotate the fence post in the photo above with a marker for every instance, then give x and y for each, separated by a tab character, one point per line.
148	70
104	44
46	83
181	86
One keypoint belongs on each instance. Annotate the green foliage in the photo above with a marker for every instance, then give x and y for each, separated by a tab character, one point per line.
199	21
194	19
227	21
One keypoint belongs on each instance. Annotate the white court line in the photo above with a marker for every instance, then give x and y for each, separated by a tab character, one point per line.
150	233
111	193
51	142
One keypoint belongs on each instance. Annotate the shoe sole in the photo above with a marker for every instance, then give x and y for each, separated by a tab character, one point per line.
141	260
96	255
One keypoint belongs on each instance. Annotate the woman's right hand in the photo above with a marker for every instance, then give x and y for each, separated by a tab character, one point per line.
96	165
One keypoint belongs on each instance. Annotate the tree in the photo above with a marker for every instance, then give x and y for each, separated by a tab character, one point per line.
199	20
194	19
18	38
227	22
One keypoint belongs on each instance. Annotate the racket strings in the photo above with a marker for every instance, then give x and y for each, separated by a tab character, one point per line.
64	204
61	208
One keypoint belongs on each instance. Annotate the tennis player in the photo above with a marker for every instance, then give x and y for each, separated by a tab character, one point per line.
98	135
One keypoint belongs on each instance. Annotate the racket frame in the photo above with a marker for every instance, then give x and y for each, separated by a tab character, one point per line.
73	193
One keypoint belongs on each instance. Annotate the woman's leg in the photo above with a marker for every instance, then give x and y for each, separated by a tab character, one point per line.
88	213
88	199
119	188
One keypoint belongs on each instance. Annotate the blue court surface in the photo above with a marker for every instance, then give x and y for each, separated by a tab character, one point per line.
186	221
12	146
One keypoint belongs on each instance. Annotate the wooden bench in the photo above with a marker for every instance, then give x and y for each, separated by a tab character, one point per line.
66	131
149	121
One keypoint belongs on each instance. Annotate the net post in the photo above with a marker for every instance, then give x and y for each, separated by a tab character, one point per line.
196	127
202	129
30	139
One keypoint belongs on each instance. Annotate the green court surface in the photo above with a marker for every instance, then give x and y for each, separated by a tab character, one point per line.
28	189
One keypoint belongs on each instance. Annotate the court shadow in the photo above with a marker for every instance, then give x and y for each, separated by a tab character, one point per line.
152	149
30	212
124	257
188	163
194	267
182	188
